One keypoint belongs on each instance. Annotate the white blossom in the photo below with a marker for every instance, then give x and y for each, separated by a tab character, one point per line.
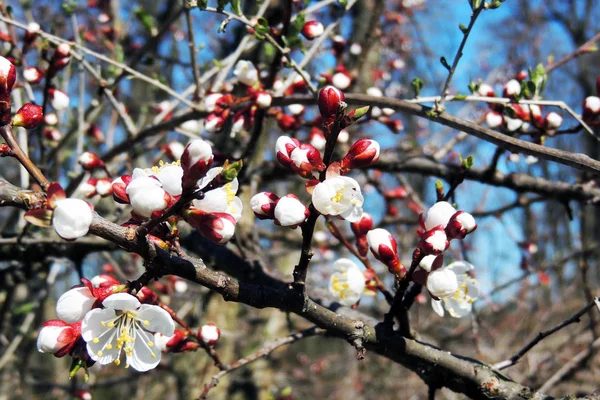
289	211
146	194
347	283
125	325
246	72
460	302
74	304
339	195
438	214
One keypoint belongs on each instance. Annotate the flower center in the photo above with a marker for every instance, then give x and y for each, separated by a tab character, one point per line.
338	197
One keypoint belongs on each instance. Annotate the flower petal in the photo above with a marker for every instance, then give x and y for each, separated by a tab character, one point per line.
74	304
121	301
458	308
143	357
158	319
437	307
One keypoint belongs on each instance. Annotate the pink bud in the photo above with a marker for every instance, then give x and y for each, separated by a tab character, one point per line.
88	188
29	116
341	80
396	193
317	138
119	188
512	88
521	76
305	160
147	295
460	225
485	90
217	227
104	187
553	120
33	75
63	50
263	205
288	122
195	161
58	337
394	125
339	45
263	99
90	161
52	134
209	334
384	248
363	153
312	30
283	149
363	225
591	107
8	75
329	101
434	241
58	99
493	119
290	212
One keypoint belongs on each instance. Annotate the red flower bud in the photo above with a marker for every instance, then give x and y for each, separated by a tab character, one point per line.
29	116
397	193
90	161
312	30
363	226
460	225
363	153
329	100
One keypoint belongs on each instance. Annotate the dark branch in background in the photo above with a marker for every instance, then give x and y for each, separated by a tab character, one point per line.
576	160
541	336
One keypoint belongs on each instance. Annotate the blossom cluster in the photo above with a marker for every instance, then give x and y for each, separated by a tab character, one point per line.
518	117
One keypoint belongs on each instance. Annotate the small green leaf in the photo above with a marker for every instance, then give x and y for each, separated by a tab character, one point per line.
439	185
297	25
231	171
460	97
147	21
236	6
417	85
343	3
360	112
468	162
462	28
475	4
473	87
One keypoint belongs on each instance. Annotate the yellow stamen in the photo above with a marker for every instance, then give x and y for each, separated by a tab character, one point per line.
95	340
99	353
117	362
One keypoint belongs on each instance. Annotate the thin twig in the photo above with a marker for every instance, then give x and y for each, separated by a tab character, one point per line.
265	351
541	336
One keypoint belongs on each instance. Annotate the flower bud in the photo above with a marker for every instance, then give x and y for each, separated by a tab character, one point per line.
104	280
58	337
460	225
363	153
317	138
33	75
263	99
384	248
90	161
51	119
52	134
329	101
305	160
288	122
195	161
434	241
442	283
295	109
5	150
209	334
72	218
283	149
512	88
119	189
32	30
214	123
174	150
7	80
263	205
147	295
339	45
88	188
394	125
493	119
341	80
104	187
29	116
72	305
58	99
485	90
290	212
63	50
438	214
521	76
363	225
218	227
553	120
591	107
312	30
